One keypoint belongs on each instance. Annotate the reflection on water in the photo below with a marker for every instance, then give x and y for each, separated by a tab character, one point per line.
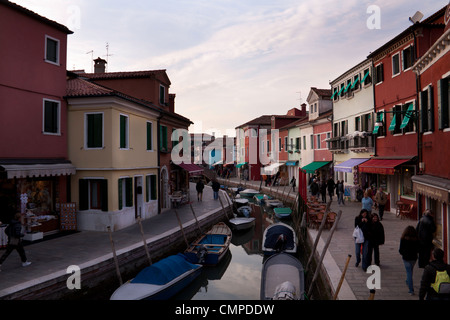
238	276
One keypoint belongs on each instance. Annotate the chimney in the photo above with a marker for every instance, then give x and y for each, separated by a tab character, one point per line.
172	102
99	65
303	111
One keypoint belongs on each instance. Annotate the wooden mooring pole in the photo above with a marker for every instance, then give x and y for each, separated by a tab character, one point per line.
342	277
145	242
116	262
181	228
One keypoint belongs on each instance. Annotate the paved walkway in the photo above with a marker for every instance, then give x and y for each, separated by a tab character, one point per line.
393	274
51	258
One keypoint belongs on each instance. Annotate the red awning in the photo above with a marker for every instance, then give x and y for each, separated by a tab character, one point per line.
381	166
193	169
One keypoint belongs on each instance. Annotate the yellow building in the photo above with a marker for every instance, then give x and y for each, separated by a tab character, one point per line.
112	141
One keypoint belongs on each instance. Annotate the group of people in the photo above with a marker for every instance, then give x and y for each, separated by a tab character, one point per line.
327	186
215	185
380	201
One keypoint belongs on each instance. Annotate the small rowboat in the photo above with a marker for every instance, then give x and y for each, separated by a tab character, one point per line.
249	193
274	203
279	237
242	223
282	278
160	281
282	213
244	211
211	247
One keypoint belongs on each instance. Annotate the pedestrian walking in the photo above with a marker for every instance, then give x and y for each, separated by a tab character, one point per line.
216	188
293	180
340	191
376	239
425	231
314	188
323	191
331	186
199	187
361	249
381	199
429	285
15	235
367	203
409	248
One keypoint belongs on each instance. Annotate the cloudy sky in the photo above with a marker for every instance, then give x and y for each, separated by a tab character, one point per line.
230	61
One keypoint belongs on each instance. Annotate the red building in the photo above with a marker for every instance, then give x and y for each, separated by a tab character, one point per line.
152	86
432	183
397	153
33	116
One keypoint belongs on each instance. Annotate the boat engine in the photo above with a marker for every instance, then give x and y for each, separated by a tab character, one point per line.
202	253
285	291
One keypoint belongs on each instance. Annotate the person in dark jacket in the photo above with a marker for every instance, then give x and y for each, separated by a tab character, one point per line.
216	188
429	277
199	187
340	191
425	231
376	238
409	248
314	188
363	222
331	186
323	191
15	236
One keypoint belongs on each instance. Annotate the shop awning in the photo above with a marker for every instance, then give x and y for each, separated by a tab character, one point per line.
271	169
291	163
38	170
430	186
348	165
193	169
381	166
313	166
241	164
408	116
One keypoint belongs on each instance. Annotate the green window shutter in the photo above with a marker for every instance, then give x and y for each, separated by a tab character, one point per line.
104	194
149	136
83	193
120	194
95	130
147	188
354	83
123	132
408	115
443	104
177	138
430	112
129	192
163	137
392	126
423	111
153	189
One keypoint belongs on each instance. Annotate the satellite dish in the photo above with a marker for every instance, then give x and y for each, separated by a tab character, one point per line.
416	17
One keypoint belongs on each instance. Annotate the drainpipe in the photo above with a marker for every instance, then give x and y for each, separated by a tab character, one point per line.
374	110
158	124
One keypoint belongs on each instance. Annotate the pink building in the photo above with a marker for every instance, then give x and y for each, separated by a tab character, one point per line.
33	115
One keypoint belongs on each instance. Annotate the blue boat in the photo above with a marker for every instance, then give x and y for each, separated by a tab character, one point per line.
211	247
160	281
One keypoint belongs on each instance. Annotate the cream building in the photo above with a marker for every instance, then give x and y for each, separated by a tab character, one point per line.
112	141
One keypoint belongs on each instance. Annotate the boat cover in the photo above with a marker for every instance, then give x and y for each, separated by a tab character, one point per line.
213	239
165	270
274	232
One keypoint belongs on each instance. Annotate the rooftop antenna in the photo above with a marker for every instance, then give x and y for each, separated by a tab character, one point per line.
92	60
300	93
416	17
107	56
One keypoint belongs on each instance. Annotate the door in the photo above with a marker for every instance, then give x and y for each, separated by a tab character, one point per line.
138	197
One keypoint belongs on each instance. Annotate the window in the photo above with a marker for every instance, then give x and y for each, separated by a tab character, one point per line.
94	130
357	123
328	137
396	119
279	144
342	90
444	103
51	117
51	50
379	73
355	84
312	142
367	78
304	142
318	141
395	64
335	94
125	192
150	183
398	116
406	182
163	138
162	95
408	57
298	144
93	194
381	118
411	126
149	136
426	109
292	143
124	138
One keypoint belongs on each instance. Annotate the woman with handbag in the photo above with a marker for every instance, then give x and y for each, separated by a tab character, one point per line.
362	222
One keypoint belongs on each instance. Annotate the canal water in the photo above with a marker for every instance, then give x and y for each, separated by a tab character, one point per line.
238	276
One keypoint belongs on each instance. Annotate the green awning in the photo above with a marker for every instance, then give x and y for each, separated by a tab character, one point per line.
380	117
240	164
392	126
313	166
348	86
341	90
356	81
365	76
408	116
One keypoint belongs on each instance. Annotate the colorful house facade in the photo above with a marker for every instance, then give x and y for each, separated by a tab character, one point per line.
34	166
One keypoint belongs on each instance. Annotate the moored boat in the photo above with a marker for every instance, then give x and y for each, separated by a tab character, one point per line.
242	223
160	281
211	247
248	193
244	211
279	237
282	213
282	278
